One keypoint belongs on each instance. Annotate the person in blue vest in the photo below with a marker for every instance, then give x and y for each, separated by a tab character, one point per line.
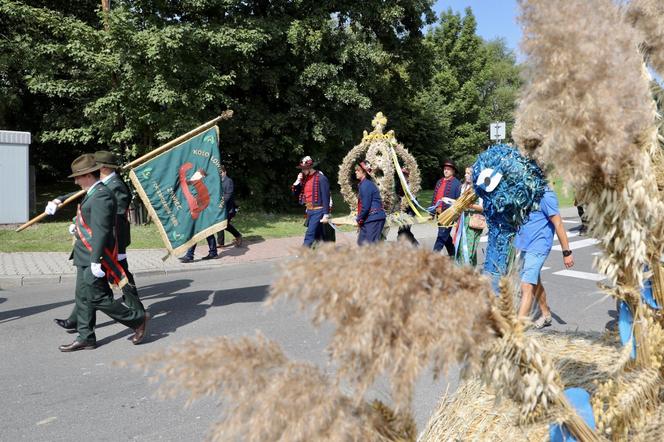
370	212
447	188
313	191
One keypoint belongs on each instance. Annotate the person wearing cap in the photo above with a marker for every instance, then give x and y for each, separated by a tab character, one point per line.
109	164
95	258
370	212
313	190
447	188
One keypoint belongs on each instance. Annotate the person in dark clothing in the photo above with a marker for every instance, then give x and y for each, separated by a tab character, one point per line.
313	191
448	187
231	210
370	212
108	171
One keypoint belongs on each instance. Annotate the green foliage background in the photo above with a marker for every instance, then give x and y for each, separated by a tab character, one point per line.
303	77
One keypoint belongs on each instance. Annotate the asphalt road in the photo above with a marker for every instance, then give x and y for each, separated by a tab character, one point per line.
47	395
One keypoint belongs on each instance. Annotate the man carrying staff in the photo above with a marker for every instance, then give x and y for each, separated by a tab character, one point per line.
447	188
109	164
95	258
370	212
313	190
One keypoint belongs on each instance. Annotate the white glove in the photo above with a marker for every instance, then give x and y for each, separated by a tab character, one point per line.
299	179
52	207
72	229
96	270
122	256
325	219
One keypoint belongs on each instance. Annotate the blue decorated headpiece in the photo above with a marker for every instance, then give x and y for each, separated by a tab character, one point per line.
510	186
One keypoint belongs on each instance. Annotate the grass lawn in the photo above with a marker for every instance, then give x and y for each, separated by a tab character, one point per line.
564	192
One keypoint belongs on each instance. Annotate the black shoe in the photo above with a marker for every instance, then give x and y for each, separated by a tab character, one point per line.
66	324
210	256
238	241
78	345
186	259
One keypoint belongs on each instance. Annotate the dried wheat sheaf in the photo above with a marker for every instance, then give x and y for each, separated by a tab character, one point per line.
578	108
648	17
267	397
397	310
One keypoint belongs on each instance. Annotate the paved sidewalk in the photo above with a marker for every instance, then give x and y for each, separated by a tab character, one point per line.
27	268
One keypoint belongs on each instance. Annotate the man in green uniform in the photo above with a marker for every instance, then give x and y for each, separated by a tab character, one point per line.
109	164
95	258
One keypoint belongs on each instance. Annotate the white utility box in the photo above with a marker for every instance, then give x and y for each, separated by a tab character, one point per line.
14	177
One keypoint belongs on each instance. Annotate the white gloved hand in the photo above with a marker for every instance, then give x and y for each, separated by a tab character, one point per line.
299	179
96	270
325	219
52	207
72	229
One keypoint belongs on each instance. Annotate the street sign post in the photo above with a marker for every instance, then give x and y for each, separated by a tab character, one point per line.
497	131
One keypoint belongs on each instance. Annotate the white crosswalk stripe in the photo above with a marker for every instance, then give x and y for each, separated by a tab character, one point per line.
485	238
580	275
578	244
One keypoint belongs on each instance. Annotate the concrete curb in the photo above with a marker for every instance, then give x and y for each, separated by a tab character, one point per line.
7	282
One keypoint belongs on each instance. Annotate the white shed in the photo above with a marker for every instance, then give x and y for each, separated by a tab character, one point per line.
14	177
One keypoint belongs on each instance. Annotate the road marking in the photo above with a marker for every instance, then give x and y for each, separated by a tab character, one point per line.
598	253
569	221
580	275
48	420
545	268
578	244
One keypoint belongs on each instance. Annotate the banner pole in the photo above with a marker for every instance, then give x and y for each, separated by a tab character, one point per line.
140	160
181	139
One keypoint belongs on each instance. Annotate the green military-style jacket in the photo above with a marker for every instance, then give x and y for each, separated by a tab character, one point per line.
98	209
123	197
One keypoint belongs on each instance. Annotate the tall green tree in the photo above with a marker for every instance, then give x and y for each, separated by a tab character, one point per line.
471	83
301	76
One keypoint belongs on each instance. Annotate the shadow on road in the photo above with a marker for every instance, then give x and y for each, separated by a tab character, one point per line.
235	296
184	308
19	313
162	289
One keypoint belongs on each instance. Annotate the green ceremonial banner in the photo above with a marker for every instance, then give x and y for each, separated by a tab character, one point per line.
181	189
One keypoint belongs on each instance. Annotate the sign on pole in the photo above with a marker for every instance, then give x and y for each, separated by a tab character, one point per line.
497	131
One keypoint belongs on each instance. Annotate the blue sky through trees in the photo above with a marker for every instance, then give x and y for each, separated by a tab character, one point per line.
495	18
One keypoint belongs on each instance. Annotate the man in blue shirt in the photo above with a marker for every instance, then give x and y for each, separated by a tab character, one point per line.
534	240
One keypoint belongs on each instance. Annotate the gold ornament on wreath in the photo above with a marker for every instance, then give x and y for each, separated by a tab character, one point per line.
378	149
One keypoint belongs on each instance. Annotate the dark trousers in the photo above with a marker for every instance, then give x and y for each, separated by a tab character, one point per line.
314	227
231	229
444	240
212	248
94	294
370	232
129	294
